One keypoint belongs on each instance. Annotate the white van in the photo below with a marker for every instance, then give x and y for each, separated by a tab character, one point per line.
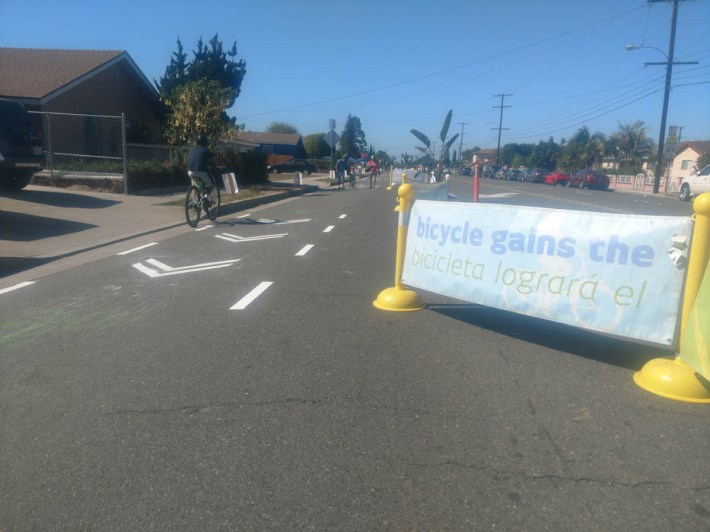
695	184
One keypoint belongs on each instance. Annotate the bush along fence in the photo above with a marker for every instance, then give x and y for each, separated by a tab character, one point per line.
92	150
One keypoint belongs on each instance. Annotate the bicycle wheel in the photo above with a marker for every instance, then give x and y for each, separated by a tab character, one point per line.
192	206
215	200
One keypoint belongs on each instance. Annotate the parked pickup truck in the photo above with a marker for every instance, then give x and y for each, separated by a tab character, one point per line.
695	184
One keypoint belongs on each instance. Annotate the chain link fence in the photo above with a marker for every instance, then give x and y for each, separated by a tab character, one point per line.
83	146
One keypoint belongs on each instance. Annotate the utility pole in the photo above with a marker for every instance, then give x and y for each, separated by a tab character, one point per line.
500	125
669	72
462	124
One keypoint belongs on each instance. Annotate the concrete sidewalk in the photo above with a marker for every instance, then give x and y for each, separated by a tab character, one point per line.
42	226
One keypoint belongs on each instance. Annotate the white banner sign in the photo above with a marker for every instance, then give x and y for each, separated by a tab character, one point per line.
605	272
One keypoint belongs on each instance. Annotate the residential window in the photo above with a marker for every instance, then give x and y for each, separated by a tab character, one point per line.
686	165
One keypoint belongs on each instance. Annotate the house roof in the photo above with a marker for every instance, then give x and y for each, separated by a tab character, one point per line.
40	74
700	146
270	138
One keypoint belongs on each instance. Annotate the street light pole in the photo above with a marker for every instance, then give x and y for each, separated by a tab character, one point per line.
666	94
669	72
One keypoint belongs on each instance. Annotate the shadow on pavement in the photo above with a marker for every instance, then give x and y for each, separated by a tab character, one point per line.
557	336
20	227
68	200
13	265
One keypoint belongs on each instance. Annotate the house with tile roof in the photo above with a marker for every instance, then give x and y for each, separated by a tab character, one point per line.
91	82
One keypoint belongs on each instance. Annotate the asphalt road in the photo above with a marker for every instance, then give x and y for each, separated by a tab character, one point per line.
138	391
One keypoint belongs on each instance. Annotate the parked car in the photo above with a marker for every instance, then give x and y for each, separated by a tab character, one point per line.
465	170
557	178
293	165
490	171
534	175
20	146
695	184
512	175
589	179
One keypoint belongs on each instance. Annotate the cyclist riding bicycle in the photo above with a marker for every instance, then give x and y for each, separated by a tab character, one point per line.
203	194
197	162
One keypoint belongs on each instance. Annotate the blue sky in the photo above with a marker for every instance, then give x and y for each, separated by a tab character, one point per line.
399	65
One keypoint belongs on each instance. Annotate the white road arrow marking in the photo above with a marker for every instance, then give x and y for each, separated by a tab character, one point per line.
168	270
237	238
251	296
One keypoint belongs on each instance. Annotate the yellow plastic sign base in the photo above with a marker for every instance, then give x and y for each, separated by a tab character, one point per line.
673	379
398	299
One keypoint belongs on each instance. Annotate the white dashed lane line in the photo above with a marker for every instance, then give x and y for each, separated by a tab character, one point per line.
304	250
16	287
137	249
329	229
251	296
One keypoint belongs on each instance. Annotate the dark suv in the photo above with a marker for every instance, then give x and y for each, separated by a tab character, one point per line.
293	165
20	146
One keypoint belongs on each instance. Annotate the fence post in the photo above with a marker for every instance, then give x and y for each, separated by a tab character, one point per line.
49	146
125	153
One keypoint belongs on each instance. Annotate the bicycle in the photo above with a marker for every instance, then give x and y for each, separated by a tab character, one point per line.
201	197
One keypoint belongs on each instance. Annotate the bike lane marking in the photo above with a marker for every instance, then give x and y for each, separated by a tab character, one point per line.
236	238
169	270
251	296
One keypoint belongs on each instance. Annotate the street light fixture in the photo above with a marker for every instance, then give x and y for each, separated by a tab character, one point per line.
669	72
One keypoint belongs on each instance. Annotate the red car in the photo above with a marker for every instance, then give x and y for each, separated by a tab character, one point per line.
557	178
589	179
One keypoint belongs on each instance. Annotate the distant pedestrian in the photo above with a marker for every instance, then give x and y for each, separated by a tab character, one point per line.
373	170
341	168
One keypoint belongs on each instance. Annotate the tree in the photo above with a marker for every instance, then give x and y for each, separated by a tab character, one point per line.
197	108
445	144
406	160
544	155
315	146
584	150
352	139
633	146
212	76
282	127
703	161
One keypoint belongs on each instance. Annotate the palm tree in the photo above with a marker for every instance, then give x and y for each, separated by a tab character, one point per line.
584	149
634	146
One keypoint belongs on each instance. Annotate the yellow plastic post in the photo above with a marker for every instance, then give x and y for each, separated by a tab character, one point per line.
674	379
398	298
